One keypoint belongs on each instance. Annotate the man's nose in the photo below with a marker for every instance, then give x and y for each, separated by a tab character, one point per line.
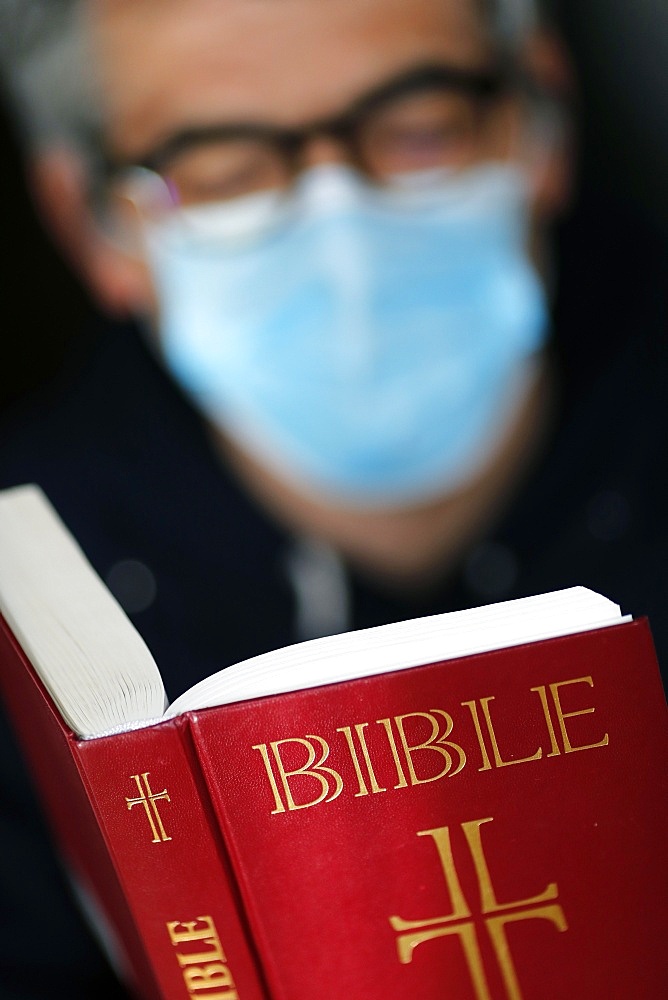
320	149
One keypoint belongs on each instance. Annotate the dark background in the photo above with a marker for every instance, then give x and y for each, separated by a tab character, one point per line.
620	51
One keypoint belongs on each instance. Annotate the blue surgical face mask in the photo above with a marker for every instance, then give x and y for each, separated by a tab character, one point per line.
373	346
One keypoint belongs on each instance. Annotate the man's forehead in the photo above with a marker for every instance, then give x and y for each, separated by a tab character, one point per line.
166	63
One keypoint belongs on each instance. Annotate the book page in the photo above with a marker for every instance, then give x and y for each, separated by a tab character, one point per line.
103	678
91	659
403	645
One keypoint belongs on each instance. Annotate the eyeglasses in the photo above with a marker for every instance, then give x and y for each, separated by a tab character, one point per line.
432	117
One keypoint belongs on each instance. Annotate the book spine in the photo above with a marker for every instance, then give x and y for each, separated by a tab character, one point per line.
51	753
132	821
153	809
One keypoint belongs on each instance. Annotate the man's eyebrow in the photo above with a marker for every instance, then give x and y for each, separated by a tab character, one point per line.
480	83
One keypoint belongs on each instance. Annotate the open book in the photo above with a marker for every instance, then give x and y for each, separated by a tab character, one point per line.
103	678
473	799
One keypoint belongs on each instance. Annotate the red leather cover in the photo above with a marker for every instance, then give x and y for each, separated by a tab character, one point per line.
490	828
521	858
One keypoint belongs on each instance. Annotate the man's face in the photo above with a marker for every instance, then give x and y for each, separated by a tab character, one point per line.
167	66
213	71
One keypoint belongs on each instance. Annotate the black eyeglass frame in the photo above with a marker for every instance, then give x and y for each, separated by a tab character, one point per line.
484	86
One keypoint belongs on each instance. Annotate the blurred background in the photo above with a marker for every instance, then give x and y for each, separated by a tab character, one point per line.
615	230
620	51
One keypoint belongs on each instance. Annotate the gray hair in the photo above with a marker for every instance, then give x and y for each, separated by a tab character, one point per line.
46	69
47	66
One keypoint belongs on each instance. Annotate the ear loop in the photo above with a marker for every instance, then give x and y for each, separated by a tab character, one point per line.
547	132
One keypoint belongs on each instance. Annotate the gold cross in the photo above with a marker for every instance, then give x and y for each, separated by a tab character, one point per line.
460	921
148	800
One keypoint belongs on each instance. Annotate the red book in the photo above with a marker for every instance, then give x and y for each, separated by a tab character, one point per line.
484	827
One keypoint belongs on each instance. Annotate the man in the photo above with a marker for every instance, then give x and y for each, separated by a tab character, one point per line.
340	407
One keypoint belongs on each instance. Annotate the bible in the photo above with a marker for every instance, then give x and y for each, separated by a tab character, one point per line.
471	805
